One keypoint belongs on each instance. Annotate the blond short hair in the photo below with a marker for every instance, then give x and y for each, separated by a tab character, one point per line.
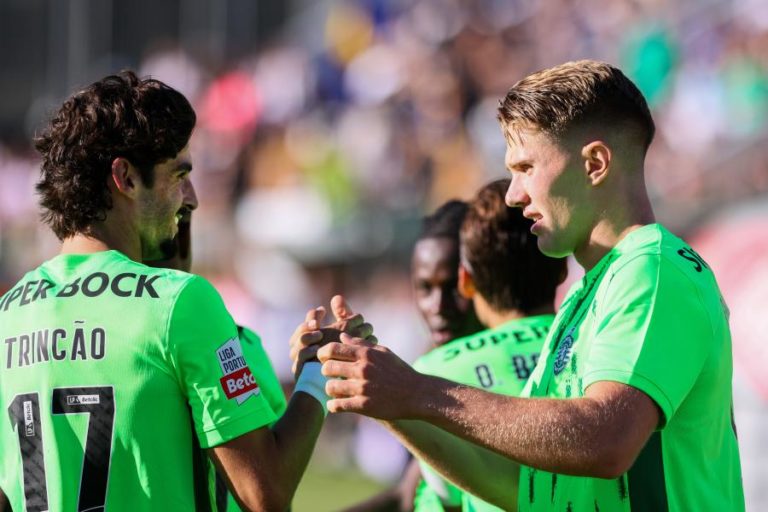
586	92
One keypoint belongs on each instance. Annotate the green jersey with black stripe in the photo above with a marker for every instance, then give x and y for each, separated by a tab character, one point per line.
499	360
113	376
648	315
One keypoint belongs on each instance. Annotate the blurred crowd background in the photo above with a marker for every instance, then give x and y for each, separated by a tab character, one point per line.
328	128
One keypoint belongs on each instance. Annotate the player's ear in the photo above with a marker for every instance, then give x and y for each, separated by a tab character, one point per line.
597	161
466	285
124	177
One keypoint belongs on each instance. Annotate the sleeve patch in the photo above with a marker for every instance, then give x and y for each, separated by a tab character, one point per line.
238	381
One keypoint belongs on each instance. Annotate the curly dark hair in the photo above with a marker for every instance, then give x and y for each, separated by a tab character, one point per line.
501	253
144	121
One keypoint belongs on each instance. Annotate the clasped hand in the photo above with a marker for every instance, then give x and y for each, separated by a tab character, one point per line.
365	377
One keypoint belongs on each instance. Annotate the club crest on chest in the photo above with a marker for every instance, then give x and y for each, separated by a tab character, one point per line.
564	352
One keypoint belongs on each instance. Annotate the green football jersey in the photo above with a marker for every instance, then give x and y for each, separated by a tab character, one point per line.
649	315
273	393
499	360
113	375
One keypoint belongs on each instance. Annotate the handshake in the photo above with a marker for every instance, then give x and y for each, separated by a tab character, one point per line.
364	377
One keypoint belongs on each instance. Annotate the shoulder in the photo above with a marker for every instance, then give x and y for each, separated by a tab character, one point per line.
655	255
193	292
248	335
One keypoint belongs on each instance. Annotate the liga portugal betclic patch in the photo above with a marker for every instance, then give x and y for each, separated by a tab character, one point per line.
238	381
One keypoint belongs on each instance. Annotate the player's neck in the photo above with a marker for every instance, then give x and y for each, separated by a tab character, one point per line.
99	239
612	227
492	318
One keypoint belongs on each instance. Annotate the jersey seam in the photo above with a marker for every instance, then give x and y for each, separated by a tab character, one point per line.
168	321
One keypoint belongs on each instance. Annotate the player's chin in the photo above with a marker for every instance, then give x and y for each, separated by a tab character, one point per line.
442	336
549	245
168	248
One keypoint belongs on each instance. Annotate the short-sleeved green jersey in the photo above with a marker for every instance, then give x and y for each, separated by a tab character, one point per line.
273	393
649	315
113	375
264	372
498	360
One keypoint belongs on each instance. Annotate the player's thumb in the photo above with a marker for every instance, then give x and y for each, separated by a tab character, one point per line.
340	308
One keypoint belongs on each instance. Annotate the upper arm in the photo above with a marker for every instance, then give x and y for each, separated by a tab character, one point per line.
626	417
653	334
214	369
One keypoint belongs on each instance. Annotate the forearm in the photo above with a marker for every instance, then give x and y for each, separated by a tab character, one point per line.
295	435
263	467
599	434
465	464
573	436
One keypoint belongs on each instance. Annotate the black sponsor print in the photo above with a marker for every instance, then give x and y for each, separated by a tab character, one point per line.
569	386
127	284
569	507
473	344
597	509
692	256
622	488
531	486
554	486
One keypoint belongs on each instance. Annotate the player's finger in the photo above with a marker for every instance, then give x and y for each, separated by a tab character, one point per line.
302	356
311	338
302	338
352	322
344	369
308	353
338	351
305	325
362	331
352	404
338	388
348	340
314	317
340	308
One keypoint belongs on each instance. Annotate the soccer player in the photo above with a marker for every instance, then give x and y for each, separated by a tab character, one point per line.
113	374
512	286
629	407
264	372
434	272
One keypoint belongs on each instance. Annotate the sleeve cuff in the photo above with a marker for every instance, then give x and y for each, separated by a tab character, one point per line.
636	381
223	432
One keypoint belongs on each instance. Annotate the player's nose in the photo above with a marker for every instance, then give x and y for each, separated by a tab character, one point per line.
190	196
516	197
